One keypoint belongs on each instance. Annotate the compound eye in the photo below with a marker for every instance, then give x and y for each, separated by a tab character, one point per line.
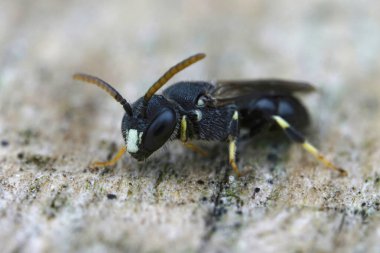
160	130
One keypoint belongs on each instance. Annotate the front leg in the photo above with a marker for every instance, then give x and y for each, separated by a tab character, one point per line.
184	135
111	162
233	133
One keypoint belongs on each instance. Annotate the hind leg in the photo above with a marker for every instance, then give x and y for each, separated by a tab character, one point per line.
233	133
297	137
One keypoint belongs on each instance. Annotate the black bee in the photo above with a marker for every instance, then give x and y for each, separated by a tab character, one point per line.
200	110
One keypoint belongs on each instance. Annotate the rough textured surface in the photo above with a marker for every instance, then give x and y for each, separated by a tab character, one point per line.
51	128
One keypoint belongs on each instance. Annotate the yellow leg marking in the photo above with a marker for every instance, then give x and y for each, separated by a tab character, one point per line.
312	150
283	124
235	116
232	155
183	129
111	162
297	137
183	136
195	148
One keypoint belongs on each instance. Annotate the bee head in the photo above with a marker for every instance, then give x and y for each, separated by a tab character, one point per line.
149	127
152	119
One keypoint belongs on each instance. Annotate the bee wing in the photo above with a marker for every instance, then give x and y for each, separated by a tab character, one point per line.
232	91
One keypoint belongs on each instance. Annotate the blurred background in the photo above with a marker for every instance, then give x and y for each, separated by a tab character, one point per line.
49	121
131	43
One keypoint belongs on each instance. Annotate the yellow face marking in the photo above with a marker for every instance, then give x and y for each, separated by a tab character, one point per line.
132	141
183	129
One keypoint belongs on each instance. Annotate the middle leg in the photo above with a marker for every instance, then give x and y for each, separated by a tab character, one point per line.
233	133
184	138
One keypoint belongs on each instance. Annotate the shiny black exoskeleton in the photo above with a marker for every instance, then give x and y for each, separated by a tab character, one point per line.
256	114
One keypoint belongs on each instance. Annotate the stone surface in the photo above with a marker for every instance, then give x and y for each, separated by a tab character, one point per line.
51	128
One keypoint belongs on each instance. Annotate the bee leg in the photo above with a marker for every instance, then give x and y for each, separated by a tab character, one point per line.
111	162
232	138
195	148
297	137
184	138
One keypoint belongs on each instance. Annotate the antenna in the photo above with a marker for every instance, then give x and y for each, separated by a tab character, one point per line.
107	87
170	73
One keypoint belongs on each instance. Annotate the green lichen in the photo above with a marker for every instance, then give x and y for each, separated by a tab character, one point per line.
40	161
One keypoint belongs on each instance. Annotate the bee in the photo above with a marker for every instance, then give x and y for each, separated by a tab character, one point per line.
209	111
